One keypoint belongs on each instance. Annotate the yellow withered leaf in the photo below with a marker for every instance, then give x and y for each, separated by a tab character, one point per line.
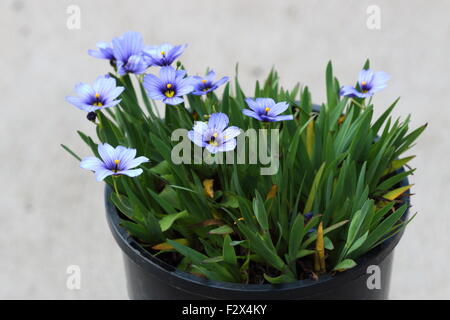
394	194
208	187
319	257
397	164
166	246
272	192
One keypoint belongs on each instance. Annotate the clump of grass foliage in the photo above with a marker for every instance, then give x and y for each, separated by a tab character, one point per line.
336	195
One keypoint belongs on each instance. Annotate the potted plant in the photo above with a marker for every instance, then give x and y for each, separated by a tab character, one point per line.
235	196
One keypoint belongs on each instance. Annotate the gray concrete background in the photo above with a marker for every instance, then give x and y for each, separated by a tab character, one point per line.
52	213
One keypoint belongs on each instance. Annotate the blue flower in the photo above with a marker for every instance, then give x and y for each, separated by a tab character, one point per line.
164	54
100	95
128	53
104	51
369	82
203	85
265	109
214	135
169	87
114	161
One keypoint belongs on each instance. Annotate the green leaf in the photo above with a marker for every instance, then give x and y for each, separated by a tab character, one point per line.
260	212
225	229
71	152
167	221
313	192
331	88
358	243
296	235
228	251
328	244
284	278
123	204
345	265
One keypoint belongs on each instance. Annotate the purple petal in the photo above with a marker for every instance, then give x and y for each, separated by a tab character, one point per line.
84	91
92	163
96	54
252	114
184	87
284	118
114	93
173	101
197	138
138	161
365	76
218	121
210	76
102	174
129	44
108	105
221	81
108	154
265	102
379	81
227	146
278	108
200	127
131	173
103	85
167	75
124	155
176	51
230	133
254	105
349	91
211	148
75	101
152	85
180	74
136	64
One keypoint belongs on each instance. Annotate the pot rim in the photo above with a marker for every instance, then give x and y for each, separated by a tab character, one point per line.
186	281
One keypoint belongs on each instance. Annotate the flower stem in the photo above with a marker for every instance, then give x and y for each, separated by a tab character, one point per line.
362	106
115	186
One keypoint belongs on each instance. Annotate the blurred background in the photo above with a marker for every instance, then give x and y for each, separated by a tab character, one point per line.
52	212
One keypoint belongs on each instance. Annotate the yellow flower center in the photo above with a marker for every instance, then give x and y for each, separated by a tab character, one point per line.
163	53
213	141
97	103
169	85
203	81
169	93
267	109
364	89
116	167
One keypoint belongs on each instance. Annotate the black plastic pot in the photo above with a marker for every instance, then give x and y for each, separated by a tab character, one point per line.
150	278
